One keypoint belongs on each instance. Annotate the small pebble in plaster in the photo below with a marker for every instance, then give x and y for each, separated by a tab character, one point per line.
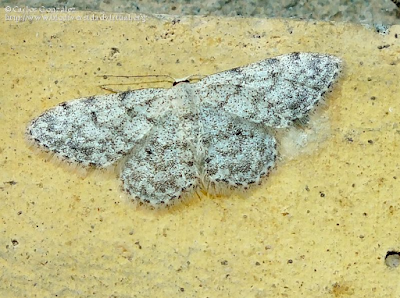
215	133
397	2
392	259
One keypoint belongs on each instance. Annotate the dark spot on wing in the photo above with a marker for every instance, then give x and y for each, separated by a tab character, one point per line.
64	105
89	100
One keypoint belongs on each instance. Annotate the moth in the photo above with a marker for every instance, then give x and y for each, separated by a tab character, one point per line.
213	133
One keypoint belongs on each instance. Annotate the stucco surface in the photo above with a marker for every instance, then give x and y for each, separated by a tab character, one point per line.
320	226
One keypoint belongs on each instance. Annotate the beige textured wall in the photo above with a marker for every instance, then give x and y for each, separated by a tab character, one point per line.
319	227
